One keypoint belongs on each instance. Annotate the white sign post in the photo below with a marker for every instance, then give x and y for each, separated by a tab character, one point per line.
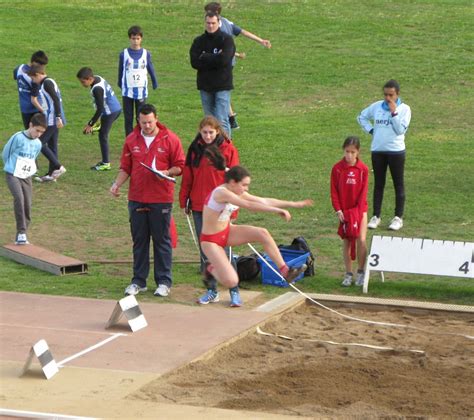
419	256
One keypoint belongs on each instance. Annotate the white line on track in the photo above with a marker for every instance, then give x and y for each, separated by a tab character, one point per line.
89	349
39	415
37	327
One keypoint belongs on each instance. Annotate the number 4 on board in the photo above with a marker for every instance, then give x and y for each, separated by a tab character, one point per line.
464	267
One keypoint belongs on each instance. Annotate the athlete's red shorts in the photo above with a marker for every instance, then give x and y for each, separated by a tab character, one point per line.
219	238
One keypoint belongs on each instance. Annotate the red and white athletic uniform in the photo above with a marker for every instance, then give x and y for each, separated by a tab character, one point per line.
227	212
198	182
166	150
349	186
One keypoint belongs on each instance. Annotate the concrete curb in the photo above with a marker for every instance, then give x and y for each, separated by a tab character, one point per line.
282	302
434	306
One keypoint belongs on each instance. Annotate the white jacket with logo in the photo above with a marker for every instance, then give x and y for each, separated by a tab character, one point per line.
389	131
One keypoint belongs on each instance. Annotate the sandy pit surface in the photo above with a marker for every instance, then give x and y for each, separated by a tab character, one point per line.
309	378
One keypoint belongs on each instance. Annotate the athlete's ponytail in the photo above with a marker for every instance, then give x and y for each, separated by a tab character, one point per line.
236	173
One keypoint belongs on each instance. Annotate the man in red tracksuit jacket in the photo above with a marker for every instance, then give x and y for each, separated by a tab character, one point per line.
150	197
349	184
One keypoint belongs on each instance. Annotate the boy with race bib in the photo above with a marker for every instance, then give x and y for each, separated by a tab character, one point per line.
134	67
19	156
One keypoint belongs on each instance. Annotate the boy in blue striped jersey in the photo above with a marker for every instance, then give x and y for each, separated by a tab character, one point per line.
26	86
50	101
134	67
107	110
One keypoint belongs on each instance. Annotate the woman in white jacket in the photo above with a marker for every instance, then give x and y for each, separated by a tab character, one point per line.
387	121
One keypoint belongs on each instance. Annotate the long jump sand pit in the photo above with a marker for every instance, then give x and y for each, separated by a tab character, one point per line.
310	378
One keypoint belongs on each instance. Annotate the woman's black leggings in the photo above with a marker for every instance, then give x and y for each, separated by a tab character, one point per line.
396	163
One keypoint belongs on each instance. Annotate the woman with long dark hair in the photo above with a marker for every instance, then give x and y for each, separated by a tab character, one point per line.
208	157
217	231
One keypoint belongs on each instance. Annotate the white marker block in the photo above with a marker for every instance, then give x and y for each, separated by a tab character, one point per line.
45	358
128	306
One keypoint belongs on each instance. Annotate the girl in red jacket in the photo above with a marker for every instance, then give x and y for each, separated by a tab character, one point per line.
349	183
210	154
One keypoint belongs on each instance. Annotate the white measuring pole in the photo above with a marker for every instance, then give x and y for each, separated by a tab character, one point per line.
419	256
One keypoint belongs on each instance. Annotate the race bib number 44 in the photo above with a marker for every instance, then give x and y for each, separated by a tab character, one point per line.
136	78
24	167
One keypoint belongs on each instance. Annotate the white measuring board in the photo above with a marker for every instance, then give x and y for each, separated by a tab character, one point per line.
420	256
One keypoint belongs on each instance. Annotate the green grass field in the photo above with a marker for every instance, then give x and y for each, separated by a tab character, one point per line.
296	103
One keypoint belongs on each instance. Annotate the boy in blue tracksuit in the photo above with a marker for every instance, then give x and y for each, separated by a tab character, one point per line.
19	156
107	108
391	118
26	87
51	104
134	67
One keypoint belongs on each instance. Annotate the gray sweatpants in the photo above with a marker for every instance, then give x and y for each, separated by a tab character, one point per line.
21	190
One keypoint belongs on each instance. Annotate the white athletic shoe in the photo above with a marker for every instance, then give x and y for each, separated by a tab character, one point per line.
134	289
396	223
21	239
374	222
347	280
58	172
360	279
45	178
162	290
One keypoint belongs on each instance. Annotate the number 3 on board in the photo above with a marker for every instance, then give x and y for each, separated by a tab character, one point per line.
375	261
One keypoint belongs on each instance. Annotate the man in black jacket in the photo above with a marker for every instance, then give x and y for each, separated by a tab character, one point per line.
211	55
